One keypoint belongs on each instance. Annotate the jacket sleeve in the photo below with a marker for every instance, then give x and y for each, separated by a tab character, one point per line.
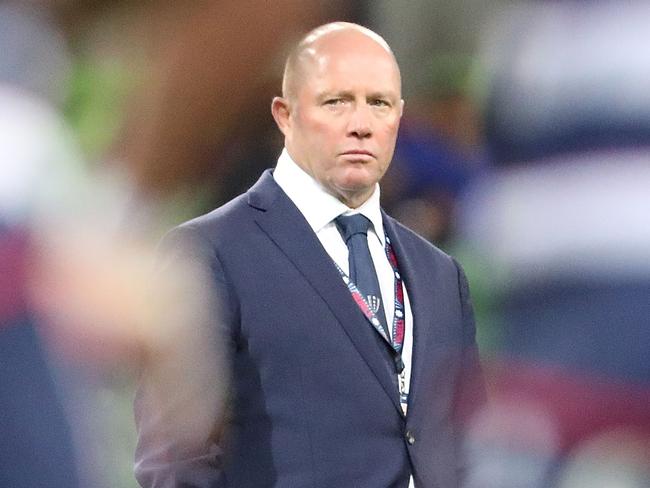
470	392
181	402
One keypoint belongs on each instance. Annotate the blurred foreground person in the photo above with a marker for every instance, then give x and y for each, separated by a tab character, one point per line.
73	287
36	438
564	220
79	314
39	440
348	365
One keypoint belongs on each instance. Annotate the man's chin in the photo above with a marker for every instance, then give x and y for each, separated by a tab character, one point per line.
354	195
358	179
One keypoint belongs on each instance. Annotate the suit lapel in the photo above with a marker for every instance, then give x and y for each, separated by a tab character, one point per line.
422	298
288	229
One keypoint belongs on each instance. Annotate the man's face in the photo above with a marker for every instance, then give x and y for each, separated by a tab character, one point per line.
343	120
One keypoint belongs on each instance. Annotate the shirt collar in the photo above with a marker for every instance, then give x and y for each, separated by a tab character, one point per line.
318	206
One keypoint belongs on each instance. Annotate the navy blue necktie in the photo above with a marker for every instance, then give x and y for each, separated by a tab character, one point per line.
354	230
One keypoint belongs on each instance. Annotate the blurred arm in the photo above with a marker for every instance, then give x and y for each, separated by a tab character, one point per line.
181	402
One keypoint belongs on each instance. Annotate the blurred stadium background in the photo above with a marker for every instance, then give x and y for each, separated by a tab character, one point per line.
523	151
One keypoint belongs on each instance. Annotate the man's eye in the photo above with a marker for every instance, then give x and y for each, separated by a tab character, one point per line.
333	101
379	103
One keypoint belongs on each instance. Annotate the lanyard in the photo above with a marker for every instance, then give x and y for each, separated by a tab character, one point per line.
396	340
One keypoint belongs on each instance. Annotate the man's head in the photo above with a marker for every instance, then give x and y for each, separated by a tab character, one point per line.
341	108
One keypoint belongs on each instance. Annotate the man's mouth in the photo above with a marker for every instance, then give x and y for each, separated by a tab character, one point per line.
358	152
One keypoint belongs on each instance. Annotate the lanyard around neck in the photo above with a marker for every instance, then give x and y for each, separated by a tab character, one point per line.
396	340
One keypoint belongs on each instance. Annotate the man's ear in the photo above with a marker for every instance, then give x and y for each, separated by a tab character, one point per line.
401	107
281	111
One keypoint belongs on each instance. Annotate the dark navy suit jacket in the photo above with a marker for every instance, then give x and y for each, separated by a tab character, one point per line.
314	400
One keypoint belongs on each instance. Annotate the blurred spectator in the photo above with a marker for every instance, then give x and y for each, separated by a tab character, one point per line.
563	224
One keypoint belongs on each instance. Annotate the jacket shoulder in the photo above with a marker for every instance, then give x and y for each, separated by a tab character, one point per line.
223	221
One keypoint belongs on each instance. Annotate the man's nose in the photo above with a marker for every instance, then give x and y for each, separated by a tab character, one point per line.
360	124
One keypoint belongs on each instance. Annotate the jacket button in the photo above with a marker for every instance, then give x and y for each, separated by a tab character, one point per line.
410	438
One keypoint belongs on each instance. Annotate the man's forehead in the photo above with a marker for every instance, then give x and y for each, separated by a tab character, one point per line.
338	46
338	43
331	54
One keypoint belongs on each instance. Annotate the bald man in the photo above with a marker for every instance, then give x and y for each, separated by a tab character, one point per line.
350	341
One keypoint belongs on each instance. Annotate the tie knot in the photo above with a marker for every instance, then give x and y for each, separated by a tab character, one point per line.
352	224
